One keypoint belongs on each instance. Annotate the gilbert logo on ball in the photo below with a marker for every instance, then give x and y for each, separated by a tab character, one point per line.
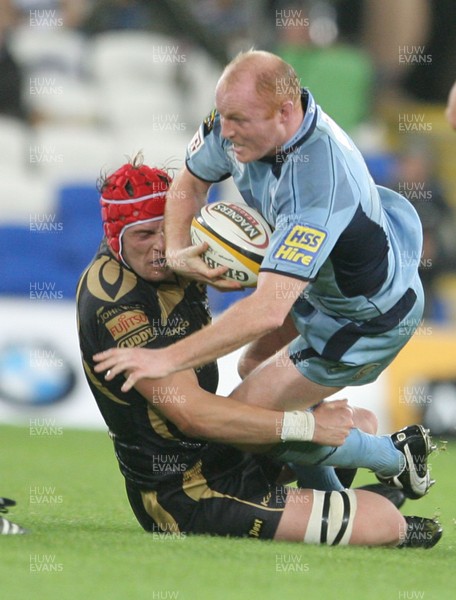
238	238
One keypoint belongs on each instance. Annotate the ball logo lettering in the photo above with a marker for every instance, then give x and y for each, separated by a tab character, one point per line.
243	221
238	237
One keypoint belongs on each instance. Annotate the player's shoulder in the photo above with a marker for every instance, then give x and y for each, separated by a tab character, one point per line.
211	122
208	130
181	290
108	280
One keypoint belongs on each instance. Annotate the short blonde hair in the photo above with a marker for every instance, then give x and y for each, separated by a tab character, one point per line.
275	80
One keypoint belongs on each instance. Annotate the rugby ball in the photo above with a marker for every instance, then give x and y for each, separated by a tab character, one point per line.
238	238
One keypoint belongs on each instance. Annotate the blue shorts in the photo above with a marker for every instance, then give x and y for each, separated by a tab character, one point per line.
338	352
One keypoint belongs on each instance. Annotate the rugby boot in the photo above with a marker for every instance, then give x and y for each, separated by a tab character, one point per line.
421	533
414	480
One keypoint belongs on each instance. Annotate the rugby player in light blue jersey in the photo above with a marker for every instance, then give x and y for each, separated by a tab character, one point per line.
345	250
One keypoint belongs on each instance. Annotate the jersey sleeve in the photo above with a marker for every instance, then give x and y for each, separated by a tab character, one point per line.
298	248
304	239
205	156
315	202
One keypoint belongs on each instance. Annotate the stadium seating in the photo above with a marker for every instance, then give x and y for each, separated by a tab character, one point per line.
139	105
117	57
53	248
68	101
46	57
78	210
162	148
200	73
14	146
65	153
23	193
27	260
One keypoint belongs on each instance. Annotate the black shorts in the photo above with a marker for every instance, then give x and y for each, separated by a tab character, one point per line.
240	502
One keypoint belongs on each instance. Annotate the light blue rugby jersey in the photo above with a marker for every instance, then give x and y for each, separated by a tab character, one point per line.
358	244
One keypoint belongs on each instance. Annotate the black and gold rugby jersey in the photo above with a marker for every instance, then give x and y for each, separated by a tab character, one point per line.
117	308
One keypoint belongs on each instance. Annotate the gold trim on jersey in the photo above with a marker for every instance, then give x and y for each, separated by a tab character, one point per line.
158	424
107	280
100	387
78	291
169	296
195	485
162	517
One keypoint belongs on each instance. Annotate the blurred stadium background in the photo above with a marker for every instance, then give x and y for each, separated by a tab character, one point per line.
85	84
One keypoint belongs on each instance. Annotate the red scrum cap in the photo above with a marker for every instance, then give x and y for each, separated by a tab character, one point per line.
131	195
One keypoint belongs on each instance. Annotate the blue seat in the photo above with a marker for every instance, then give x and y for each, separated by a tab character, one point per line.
53	254
78	209
27	259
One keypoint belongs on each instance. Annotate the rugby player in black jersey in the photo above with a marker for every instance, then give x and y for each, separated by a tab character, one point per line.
179	446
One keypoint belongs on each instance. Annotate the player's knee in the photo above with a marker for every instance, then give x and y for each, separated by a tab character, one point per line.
332	518
378	522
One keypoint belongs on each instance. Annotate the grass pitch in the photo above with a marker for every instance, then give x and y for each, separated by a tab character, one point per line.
84	541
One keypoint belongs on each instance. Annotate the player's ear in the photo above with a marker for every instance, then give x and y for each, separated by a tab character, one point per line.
286	110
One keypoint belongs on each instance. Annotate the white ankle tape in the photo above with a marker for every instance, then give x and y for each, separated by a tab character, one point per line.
331	519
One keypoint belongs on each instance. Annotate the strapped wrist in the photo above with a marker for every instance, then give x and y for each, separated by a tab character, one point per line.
298	426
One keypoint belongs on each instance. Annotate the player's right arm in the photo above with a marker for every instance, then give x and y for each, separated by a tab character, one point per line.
184	199
202	415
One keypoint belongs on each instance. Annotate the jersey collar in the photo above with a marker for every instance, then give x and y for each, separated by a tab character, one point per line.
304	132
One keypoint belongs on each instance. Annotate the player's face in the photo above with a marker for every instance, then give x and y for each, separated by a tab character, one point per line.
143	248
248	121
